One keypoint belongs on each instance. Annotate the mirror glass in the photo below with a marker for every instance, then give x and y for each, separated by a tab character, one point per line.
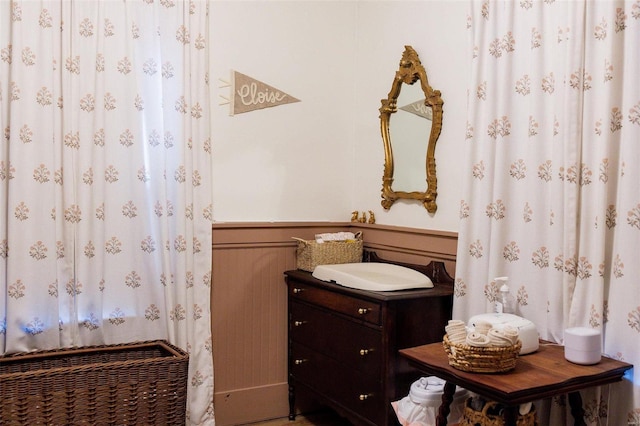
410	131
411	120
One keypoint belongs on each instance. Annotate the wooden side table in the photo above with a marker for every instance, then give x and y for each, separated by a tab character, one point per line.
542	374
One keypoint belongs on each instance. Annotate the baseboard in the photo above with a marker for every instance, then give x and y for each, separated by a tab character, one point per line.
242	406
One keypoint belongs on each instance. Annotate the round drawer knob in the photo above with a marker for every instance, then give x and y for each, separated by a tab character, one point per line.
364	352
299	323
299	361
297	290
363	311
364	397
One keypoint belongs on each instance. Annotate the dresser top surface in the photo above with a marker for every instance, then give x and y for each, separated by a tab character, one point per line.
438	290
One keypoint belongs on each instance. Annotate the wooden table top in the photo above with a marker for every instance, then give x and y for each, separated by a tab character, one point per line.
538	375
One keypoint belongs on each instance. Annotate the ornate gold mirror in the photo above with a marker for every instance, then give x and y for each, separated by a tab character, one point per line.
409	157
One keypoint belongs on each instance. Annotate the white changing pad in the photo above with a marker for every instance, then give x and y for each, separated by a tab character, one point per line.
372	276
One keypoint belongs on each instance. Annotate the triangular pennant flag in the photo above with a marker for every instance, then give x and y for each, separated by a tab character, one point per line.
420	109
250	94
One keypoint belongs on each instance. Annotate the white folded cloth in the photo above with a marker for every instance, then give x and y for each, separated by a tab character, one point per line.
456	331
478	340
499	338
335	236
483	327
458	337
512	333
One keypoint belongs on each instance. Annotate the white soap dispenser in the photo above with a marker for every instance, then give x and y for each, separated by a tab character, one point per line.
506	303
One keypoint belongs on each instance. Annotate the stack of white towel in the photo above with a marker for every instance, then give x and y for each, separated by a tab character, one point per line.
483	336
336	236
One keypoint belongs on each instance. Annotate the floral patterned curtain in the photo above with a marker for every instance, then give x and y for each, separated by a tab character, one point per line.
105	184
552	170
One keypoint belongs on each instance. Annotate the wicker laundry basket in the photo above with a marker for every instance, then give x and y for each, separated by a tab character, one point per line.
485	417
126	384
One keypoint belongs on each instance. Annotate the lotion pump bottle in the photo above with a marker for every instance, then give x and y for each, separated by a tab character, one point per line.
506	304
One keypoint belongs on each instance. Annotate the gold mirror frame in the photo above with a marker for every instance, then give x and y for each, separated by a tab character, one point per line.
409	72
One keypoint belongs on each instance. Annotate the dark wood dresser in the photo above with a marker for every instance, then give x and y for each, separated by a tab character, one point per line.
343	342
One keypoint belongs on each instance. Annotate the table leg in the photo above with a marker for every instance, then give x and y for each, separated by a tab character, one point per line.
575	402
510	416
445	406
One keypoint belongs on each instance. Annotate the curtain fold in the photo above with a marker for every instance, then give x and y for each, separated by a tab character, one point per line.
551	194
105	179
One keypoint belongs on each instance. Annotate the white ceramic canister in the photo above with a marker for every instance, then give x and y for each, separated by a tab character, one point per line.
582	345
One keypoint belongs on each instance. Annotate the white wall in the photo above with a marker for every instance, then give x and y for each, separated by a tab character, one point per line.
323	157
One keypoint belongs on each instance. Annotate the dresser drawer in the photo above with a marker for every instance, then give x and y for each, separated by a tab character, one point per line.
351	389
356	308
355	344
